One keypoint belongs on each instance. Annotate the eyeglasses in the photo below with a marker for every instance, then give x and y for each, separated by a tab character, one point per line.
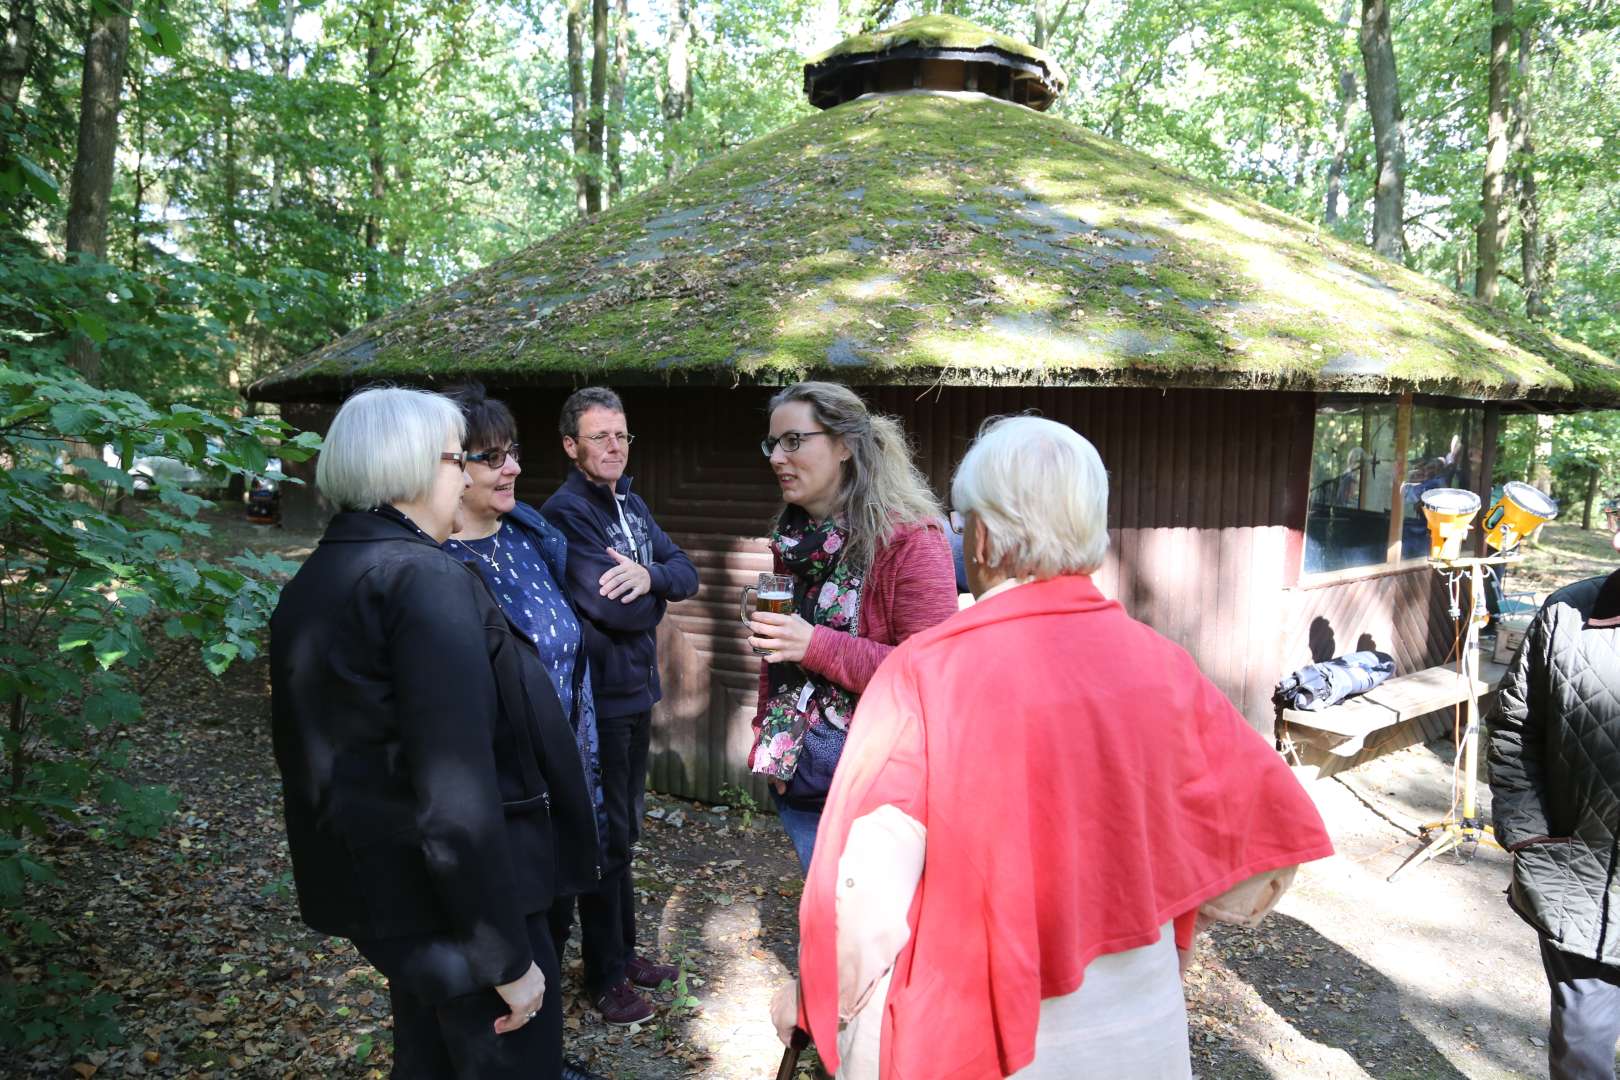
459	457
790	441
495	459
608	438
958	522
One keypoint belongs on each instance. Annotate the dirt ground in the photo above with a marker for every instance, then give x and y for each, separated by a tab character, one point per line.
196	931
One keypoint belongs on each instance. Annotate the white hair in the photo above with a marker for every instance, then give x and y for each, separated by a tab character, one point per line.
384	445
1041	493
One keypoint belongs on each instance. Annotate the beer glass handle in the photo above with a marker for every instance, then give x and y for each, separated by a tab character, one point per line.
746	607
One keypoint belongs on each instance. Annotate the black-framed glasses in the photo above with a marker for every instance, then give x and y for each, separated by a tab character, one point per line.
958	522
602	438
457	456
495	459
789	441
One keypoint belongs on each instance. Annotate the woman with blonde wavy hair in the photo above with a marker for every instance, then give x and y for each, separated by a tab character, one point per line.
859	534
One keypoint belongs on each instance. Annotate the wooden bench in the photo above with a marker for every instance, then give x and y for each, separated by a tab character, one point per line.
1342	729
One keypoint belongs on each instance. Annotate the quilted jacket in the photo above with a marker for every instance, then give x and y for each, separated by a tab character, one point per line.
1555	775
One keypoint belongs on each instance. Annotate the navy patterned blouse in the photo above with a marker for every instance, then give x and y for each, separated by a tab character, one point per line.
530	597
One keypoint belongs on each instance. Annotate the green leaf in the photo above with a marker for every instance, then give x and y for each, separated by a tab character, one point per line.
40	182
91	325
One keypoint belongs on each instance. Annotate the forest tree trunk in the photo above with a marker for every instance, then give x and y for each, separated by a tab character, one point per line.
289	13
1492	233
106	53
376	163
1345	83
677	83
1591	497
17	50
1530	256
596	126
621	72
1389	129
1540	470
576	95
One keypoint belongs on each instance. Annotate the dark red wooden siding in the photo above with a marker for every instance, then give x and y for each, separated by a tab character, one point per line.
1198	522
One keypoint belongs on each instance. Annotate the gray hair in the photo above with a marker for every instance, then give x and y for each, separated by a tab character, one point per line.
1040	490
583	401
384	445
882	488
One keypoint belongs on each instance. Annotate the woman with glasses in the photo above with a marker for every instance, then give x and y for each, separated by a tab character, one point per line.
859	534
433	793
523	558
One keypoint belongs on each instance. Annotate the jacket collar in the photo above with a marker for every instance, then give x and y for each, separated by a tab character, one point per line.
364	527
1070	594
576	482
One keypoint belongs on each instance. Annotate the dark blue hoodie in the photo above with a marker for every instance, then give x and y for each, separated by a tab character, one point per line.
621	639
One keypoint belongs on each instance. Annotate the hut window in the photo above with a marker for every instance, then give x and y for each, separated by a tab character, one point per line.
1444	449
1363	469
1352	487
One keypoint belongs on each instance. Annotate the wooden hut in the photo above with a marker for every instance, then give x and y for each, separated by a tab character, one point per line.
1266	397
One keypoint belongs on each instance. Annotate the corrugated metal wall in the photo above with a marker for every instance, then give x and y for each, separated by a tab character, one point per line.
1206	508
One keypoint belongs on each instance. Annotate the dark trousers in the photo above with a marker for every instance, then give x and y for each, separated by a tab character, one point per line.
1585	1015
455	1039
607	916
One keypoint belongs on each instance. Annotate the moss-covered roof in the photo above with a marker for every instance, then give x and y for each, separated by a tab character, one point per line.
961	240
947	33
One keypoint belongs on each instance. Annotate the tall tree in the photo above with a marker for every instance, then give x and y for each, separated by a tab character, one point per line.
616	118
1492	233
579	117
596	126
378	67
1535	304
17	50
677	88
106	53
1389	129
1345	95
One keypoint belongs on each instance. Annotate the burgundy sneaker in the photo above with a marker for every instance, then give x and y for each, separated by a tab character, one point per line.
620	1004
650	974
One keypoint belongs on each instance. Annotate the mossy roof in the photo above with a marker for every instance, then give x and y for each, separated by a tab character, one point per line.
944	32
953	239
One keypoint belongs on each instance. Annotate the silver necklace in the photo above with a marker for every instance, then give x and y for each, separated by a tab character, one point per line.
495	549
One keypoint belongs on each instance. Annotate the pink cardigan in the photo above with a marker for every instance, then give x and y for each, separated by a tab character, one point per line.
911	586
1081	784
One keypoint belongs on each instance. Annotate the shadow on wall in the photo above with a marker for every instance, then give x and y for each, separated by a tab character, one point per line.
1324	644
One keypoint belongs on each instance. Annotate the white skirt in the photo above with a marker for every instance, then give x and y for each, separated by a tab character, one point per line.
1128	1021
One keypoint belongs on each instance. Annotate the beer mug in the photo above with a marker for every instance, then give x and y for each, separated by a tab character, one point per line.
773	593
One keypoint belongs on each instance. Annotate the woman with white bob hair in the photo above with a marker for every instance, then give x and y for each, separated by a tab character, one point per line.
1038	799
434	797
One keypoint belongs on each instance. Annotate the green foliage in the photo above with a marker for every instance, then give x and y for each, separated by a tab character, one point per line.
743	799
91	579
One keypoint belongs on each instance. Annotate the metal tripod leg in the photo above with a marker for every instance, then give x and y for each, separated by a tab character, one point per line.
1442	837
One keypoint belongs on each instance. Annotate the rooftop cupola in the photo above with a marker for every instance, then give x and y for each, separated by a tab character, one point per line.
934	52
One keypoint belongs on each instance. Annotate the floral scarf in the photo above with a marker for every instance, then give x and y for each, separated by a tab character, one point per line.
827	592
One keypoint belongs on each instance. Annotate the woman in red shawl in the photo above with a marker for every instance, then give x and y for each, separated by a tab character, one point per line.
1033	794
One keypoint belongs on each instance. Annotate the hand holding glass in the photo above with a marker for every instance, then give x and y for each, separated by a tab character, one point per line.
773	593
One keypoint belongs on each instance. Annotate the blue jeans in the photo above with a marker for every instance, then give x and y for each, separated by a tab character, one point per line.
801	826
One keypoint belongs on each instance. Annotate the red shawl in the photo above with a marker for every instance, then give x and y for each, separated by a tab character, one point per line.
1082	784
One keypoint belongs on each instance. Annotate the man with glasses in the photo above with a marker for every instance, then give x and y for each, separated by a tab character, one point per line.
622	572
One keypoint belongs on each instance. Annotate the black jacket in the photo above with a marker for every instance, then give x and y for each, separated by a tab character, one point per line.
431	783
1555	775
621	640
